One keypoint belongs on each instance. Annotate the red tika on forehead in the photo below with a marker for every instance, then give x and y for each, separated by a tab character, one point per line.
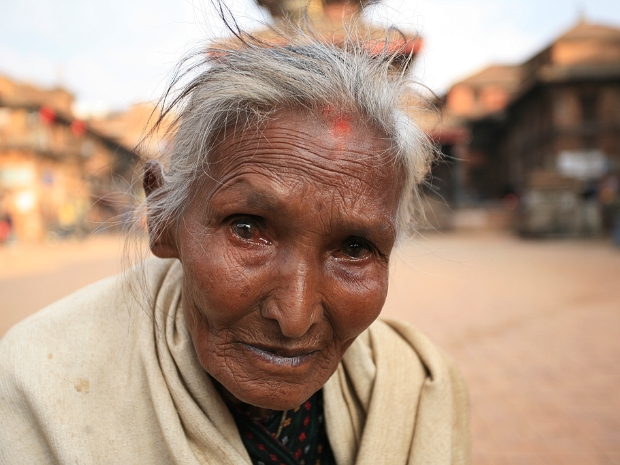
341	127
339	123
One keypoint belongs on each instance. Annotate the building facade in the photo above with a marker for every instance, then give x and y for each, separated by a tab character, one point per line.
58	176
547	129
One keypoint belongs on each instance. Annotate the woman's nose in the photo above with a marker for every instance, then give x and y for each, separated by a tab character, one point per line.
295	301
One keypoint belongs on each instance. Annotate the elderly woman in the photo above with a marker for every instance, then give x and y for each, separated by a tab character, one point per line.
252	338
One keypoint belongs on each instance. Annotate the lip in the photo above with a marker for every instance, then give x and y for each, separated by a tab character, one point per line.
281	357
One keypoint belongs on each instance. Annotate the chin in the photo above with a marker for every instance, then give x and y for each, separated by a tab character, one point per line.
275	397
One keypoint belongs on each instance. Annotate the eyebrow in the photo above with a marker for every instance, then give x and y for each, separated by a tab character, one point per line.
252	196
262	200
375	230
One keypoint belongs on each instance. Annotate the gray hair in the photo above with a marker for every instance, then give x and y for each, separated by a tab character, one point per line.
241	85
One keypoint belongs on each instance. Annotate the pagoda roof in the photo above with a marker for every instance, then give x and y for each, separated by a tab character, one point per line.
584	29
332	22
506	76
377	40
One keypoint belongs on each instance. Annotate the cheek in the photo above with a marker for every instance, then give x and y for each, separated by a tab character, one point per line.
215	282
356	300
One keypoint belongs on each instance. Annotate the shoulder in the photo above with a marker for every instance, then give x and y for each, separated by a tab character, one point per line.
397	385
404	353
397	333
442	416
393	352
81	328
62	364
42	361
443	390
47	349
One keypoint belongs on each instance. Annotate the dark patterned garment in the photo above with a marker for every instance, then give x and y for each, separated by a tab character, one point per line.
292	437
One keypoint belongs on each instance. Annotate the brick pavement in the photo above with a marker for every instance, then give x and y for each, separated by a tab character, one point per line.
36	275
534	327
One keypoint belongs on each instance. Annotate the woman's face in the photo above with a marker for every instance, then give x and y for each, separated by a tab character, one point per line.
285	250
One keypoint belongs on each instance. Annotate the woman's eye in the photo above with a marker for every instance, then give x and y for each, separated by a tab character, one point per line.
245	229
356	248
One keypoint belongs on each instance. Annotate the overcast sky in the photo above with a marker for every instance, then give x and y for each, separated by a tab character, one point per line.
111	53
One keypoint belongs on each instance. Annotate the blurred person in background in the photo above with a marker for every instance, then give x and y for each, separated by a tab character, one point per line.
253	336
6	228
609	197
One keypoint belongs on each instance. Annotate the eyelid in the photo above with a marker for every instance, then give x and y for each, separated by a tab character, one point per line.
363	240
255	220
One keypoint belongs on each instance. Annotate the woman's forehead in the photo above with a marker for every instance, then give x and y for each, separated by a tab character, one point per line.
296	154
326	141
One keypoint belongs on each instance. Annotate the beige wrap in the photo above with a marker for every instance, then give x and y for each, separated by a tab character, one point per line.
98	379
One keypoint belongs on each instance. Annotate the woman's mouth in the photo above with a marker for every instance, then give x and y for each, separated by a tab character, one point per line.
281	357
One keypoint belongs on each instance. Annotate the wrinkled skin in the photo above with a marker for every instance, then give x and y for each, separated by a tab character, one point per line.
285	253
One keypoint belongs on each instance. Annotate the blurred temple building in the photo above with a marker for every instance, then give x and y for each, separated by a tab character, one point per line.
543	137
130	128
331	20
58	174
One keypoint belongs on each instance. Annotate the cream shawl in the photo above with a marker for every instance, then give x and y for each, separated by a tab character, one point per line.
97	378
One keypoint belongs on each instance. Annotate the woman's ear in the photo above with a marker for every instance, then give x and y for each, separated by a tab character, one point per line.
161	236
